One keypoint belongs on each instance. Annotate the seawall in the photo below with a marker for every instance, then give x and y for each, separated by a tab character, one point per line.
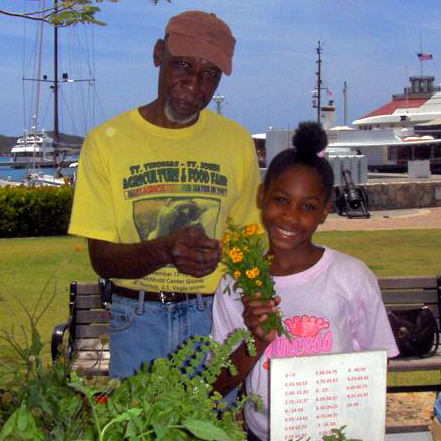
400	195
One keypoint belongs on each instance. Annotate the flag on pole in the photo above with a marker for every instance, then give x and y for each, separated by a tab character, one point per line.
425	57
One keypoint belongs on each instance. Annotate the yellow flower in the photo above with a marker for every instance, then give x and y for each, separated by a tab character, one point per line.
258	282
251	229
253	273
236	254
236	274
226	239
238	257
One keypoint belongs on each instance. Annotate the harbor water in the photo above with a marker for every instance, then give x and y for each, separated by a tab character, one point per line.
18	174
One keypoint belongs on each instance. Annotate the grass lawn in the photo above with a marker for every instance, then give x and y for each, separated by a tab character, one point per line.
33	270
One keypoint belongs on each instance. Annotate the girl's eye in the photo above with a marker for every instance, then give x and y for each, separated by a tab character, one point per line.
280	200
309	207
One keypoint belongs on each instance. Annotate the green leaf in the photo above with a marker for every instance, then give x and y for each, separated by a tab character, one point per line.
127	415
23	427
159	429
23	418
205	430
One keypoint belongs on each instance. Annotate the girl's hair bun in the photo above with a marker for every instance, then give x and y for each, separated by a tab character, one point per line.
309	138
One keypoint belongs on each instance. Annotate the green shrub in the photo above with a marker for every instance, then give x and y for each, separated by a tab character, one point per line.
42	211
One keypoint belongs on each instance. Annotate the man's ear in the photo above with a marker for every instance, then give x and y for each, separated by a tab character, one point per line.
260	195
158	52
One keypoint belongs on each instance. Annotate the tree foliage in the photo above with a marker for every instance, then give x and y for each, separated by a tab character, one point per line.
66	13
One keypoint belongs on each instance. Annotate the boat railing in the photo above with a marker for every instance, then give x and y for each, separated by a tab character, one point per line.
411	91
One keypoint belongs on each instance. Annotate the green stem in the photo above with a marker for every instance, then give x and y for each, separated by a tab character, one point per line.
95	416
105	428
151	431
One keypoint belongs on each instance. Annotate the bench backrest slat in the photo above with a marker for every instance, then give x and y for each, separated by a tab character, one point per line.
410	296
407	282
92	317
91	301
91	344
87	331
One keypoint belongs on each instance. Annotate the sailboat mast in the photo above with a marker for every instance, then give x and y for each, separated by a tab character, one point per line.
55	86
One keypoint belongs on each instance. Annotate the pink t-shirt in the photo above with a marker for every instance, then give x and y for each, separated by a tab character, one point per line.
334	306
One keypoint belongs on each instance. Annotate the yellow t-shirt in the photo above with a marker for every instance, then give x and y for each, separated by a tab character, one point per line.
137	181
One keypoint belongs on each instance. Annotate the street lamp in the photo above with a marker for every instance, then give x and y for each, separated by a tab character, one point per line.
219	99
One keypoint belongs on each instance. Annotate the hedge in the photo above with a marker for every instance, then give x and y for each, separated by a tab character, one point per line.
37	211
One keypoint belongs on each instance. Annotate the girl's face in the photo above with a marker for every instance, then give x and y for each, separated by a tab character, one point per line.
292	208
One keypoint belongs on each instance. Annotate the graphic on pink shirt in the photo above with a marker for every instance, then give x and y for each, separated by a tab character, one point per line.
308	336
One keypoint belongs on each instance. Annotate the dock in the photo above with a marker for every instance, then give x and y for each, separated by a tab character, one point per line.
63	164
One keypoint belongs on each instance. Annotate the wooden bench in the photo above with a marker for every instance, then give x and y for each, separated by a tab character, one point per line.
89	321
407	293
86	331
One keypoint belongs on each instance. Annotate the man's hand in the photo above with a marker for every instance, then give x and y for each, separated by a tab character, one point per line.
189	249
193	252
256	311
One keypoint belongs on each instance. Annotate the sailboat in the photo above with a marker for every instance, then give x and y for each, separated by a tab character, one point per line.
36	149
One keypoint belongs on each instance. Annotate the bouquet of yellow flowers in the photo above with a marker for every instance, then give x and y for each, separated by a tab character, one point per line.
245	261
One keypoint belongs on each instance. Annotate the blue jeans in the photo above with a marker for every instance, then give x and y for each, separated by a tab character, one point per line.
142	331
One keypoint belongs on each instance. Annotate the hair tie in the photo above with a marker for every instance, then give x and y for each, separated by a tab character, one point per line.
322	153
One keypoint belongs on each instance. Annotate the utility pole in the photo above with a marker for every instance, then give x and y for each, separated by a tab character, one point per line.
318	90
219	99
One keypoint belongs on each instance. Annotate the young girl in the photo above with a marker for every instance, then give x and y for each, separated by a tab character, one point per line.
330	302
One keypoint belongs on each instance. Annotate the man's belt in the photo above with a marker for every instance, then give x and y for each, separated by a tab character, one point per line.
150	296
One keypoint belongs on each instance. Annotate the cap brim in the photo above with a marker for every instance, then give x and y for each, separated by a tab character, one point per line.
184	46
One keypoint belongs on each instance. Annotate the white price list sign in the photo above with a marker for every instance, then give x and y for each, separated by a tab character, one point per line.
314	394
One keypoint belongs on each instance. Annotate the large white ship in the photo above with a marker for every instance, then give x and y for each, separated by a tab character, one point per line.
33	150
406	128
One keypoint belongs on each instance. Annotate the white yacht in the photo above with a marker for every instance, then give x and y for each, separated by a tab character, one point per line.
33	150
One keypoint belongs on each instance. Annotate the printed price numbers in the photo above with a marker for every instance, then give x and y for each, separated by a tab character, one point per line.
358	377
358	395
326	398
296	401
326	380
326	372
295	383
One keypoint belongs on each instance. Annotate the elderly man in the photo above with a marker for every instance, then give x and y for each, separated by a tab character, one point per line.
155	187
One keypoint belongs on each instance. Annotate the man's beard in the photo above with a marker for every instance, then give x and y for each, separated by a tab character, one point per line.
173	117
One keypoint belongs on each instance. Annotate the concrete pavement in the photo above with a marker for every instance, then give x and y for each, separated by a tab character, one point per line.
417	218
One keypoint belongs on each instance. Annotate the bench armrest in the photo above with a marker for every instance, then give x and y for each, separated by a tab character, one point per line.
57	339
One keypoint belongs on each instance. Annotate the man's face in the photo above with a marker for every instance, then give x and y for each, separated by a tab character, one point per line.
185	86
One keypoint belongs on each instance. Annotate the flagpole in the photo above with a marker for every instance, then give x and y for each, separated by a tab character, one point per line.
345	102
421	52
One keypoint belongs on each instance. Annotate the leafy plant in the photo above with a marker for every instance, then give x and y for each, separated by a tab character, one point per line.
245	261
170	399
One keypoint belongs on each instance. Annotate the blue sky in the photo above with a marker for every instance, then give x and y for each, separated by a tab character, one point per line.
370	44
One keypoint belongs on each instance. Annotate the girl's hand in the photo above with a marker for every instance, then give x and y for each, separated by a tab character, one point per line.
255	312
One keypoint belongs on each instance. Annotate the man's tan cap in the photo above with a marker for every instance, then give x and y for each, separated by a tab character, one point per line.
202	35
